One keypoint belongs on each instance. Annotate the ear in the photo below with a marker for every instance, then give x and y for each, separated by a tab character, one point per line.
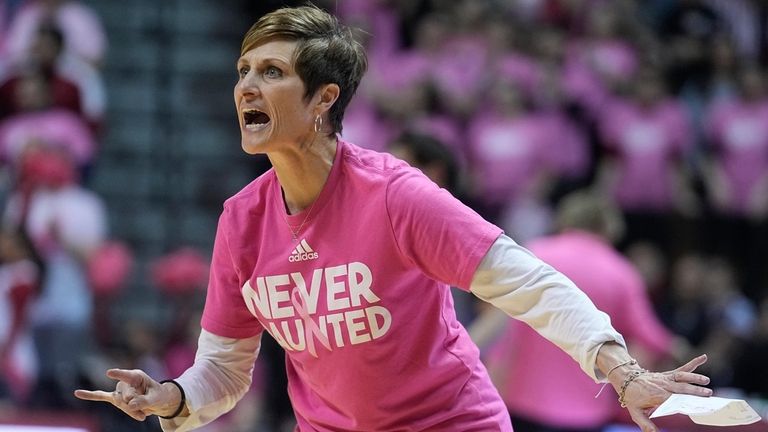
327	95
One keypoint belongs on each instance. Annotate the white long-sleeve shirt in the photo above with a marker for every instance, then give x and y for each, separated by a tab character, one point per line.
509	277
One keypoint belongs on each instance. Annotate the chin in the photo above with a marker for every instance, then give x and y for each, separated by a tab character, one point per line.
254	145
252	149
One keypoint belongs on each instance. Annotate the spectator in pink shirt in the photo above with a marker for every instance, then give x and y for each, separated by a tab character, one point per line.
556	398
567	139
507	151
646	140
83	32
400	89
345	256
601	61
459	71
736	175
400	79
737	132
379	18
41	124
66	224
511	56
20	279
76	85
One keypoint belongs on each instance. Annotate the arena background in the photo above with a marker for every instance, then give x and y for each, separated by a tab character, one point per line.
165	155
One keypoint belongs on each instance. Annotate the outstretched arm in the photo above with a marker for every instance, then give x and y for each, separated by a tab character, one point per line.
525	288
515	281
220	376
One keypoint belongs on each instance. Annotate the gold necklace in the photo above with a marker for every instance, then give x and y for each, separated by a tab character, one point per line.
295	233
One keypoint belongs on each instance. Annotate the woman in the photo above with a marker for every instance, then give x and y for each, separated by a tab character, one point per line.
337	253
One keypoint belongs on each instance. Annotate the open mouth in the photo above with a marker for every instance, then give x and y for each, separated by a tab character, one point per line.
253	118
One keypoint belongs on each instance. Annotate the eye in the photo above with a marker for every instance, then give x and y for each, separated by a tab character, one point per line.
243	71
272	72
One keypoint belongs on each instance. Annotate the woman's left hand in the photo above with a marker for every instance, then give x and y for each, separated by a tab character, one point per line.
650	389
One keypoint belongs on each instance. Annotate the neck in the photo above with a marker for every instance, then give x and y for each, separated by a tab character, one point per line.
302	172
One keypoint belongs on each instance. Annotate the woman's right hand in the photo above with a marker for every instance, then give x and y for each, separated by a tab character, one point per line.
137	395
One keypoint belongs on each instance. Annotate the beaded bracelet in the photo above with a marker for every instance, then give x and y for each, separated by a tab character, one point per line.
181	403
630	362
631	377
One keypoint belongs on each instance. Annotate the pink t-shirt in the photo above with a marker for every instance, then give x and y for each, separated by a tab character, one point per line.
521	70
609	59
616	288
460	71
581	85
738	133
566	144
648	143
55	127
507	153
360	301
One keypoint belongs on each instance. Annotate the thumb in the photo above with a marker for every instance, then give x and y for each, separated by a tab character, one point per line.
642	420
134	378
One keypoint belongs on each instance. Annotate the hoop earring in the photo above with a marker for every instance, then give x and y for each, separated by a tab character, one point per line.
318	124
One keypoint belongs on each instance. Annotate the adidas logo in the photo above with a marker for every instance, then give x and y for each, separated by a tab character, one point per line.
302	252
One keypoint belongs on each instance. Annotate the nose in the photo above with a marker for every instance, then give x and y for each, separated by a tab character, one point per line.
247	86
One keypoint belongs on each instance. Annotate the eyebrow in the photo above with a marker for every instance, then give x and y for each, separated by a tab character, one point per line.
242	61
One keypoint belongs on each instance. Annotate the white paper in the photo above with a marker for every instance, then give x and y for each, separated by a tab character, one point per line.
710	411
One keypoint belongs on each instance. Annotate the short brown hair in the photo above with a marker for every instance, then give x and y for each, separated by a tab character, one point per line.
326	53
588	211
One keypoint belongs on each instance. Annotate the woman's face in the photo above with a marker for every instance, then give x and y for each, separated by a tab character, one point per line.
269	98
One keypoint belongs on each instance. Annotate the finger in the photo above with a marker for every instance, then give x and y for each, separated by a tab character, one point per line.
123	403
127	393
690	389
141	403
642	420
95	395
693	364
688	377
133	378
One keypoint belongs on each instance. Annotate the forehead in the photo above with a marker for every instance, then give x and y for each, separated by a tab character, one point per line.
280	49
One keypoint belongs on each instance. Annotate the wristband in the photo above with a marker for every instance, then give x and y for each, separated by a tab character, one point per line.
181	403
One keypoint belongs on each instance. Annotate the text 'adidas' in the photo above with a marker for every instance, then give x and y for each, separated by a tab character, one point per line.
302	252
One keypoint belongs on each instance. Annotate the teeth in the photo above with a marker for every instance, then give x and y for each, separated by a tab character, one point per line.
252	119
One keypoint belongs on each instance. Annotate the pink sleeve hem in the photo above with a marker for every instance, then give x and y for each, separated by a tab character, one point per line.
479	251
227	331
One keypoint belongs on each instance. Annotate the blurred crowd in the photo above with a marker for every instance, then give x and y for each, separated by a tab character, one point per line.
62	273
659	107
52	105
